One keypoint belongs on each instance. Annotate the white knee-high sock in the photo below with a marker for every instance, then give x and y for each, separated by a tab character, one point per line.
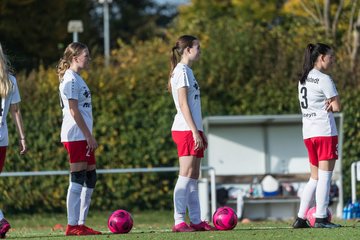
307	197
85	199
322	193
1	215
180	199
73	203
193	202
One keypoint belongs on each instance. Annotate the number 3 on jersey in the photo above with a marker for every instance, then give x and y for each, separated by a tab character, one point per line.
304	103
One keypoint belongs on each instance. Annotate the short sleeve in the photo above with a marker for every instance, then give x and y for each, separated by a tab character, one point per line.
180	78
71	88
329	88
15	91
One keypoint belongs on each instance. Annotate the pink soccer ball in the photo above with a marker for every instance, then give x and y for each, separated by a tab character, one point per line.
310	216
225	218
120	221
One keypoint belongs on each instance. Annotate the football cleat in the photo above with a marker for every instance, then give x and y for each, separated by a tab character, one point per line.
300	223
76	230
182	227
4	228
325	223
202	226
90	230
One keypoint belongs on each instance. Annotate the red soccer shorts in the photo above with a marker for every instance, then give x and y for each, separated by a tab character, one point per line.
186	144
2	157
322	149
78	152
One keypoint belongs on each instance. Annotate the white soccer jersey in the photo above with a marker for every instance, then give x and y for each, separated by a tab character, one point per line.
317	122
183	76
74	87
12	98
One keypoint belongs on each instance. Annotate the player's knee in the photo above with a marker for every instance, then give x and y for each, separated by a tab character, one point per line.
78	177
91	179
195	176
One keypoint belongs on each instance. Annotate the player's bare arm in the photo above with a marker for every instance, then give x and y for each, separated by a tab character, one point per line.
16	115
74	110
184	106
333	104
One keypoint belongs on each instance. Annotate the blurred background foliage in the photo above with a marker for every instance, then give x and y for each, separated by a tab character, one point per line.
34	32
251	56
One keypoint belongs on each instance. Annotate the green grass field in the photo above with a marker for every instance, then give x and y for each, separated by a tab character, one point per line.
156	225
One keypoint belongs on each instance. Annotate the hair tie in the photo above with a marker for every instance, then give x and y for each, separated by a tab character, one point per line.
311	47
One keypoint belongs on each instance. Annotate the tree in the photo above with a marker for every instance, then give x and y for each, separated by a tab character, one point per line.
141	19
35	31
339	19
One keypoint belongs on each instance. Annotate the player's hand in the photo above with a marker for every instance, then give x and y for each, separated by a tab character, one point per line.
22	146
199	144
205	142
91	143
328	106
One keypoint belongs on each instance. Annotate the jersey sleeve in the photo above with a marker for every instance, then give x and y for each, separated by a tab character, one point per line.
329	88
71	88
181	79
15	91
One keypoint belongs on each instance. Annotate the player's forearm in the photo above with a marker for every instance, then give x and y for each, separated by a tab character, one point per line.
75	113
185	110
335	104
17	118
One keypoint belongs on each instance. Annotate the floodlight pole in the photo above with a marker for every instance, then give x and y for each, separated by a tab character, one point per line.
75	37
106	31
74	27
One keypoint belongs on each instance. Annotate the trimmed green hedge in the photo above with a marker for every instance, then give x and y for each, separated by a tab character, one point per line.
238	74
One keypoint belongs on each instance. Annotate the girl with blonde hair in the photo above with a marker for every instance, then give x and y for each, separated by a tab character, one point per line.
77	137
10	99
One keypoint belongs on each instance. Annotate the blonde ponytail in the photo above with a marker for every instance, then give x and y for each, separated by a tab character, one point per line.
62	66
5	83
72	50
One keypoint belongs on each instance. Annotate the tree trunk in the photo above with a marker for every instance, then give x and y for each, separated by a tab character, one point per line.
336	20
327	17
356	43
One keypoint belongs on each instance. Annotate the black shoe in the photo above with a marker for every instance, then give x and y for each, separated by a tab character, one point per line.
324	223
300	223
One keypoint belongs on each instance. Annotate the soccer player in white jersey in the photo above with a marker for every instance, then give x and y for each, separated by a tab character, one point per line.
318	99
10	100
77	137
187	133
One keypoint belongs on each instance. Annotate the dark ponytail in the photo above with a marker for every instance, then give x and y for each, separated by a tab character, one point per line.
177	51
173	61
312	53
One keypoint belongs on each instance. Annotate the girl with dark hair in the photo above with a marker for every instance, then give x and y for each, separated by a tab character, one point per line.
318	99
77	137
187	133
